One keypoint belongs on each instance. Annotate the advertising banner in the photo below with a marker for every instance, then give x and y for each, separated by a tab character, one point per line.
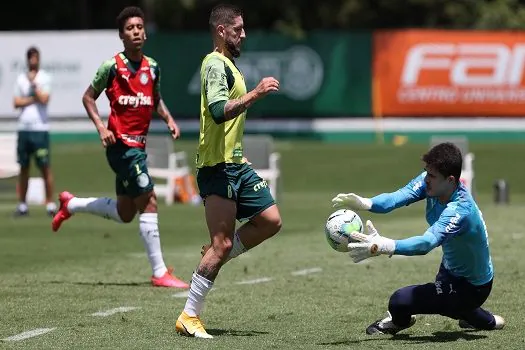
448	73
326	74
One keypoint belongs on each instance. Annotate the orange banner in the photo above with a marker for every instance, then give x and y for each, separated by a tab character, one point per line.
448	73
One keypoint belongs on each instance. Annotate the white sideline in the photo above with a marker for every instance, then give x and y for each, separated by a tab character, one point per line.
307	271
255	281
115	311
29	334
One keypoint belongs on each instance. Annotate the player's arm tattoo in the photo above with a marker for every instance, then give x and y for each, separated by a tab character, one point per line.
235	107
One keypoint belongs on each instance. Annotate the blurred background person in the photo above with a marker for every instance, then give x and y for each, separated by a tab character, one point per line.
32	93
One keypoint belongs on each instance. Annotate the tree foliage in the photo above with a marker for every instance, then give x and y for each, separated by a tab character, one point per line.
291	16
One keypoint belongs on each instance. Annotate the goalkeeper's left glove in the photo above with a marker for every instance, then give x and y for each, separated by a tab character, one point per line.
369	244
352	201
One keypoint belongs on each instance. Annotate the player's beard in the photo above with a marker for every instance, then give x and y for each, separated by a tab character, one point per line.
233	49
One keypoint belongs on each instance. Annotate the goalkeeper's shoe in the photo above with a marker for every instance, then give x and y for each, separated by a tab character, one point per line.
169	280
63	213
500	323
191	326
386	326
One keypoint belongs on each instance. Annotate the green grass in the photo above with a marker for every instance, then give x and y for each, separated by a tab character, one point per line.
58	280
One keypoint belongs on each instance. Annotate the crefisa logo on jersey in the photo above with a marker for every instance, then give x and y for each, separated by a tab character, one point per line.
144	78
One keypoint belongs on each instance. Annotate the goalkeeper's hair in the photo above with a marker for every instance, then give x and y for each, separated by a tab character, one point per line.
127	13
223	14
446	158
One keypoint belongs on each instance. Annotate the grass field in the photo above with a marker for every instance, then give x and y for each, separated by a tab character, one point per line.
308	296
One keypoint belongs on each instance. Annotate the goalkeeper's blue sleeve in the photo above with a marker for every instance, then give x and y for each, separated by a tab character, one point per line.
412	192
417	245
449	224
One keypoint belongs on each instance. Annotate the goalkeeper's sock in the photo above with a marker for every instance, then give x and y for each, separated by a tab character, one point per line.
149	232
199	288
104	207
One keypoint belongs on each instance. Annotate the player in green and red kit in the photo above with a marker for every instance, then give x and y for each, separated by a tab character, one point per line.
132	84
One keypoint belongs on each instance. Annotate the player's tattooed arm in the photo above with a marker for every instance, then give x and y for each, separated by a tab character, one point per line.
233	108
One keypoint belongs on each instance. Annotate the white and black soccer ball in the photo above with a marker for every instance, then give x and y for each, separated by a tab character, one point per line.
338	227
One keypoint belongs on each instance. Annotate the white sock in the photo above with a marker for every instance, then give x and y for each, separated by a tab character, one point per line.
103	206
51	206
199	288
22	207
237	247
149	231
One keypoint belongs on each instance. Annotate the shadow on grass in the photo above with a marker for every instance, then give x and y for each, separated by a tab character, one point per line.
436	337
234	333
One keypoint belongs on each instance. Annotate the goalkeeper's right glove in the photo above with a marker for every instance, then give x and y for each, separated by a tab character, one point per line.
364	246
352	201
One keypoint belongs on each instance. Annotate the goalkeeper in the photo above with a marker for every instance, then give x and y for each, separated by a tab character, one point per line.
465	277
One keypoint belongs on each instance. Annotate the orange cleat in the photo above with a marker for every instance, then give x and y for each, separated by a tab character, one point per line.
169	280
63	213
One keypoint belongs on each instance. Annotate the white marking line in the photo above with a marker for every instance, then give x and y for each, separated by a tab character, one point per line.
181	294
255	281
115	311
29	334
307	271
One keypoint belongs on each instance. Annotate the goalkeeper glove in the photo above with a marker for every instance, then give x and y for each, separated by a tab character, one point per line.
369	244
351	200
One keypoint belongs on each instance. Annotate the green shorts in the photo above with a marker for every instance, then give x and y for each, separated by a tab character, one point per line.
33	143
129	166
238	182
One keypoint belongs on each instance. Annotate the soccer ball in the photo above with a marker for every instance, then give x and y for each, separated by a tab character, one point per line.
339	226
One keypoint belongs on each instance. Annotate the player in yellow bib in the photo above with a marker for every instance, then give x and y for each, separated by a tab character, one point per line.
230	188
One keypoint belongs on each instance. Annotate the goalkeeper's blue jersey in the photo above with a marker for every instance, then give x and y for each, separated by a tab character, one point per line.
457	226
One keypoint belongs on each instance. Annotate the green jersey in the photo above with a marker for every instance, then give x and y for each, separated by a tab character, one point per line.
220	143
108	71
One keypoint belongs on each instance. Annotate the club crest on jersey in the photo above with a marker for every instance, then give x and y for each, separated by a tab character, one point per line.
144	78
135	101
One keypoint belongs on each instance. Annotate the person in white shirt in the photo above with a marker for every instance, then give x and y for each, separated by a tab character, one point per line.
32	92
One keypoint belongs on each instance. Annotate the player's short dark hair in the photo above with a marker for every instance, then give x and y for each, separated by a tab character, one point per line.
32	51
126	13
223	14
446	158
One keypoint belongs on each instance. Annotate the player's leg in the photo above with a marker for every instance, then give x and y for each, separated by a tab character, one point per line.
42	157
220	218
146	203
23	151
403	305
440	297
260	227
471	315
480	318
122	210
255	204
448	296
